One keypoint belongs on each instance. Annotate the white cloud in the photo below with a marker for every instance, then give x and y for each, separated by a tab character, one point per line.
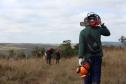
62	17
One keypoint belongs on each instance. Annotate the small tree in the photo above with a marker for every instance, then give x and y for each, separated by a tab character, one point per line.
67	42
38	52
35	52
42	51
122	39
11	53
76	49
21	55
66	48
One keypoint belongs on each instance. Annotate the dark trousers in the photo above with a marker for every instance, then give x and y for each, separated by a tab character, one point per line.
57	61
48	60
95	71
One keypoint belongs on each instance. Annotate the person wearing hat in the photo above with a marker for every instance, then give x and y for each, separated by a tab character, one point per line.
90	46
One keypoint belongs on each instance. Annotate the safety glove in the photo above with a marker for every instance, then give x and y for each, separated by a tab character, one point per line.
81	61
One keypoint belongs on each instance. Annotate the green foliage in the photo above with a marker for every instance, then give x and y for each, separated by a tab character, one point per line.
11	53
54	53
38	52
76	49
42	51
22	55
67	49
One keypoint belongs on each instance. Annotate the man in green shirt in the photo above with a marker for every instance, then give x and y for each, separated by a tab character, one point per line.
90	46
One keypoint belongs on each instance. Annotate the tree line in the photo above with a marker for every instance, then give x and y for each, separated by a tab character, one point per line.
67	50
66	47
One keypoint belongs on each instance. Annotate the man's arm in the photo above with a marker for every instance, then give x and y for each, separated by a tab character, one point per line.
81	48
104	30
81	45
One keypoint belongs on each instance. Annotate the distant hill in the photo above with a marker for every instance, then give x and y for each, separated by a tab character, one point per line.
28	47
109	44
112	44
22	47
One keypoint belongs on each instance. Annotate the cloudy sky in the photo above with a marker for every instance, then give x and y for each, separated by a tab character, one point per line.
52	21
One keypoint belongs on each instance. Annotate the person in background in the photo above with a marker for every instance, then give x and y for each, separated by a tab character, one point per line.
49	53
58	55
90	46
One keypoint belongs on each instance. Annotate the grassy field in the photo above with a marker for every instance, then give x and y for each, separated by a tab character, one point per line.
36	71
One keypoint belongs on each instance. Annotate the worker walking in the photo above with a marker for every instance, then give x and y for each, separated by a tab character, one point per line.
58	55
49	53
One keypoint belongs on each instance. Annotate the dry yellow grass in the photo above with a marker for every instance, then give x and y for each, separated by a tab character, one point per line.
36	71
114	66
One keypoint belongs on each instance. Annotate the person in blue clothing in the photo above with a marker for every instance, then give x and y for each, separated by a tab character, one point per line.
90	46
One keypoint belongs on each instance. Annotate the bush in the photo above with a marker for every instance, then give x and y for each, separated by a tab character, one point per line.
67	49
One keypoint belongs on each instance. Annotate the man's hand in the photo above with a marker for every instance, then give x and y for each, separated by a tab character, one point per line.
81	60
102	25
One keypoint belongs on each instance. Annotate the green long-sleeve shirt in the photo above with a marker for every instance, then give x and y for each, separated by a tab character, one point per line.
90	41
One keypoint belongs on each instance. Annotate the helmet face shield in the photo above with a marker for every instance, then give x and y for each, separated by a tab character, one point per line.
92	20
94	23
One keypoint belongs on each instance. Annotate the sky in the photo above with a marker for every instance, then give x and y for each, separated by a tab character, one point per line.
53	21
